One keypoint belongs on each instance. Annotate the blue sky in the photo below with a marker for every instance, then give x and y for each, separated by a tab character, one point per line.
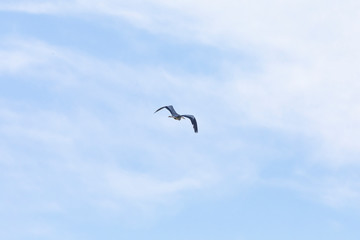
273	85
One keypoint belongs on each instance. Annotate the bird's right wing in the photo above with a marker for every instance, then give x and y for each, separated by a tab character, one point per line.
170	108
193	121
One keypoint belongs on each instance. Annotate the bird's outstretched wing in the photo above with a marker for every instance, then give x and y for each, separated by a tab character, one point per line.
193	121
171	110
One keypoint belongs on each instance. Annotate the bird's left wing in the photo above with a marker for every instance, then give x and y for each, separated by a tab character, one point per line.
170	108
160	109
193	121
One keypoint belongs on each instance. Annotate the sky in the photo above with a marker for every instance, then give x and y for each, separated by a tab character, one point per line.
274	88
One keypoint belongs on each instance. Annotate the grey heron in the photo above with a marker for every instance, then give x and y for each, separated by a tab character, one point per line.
177	116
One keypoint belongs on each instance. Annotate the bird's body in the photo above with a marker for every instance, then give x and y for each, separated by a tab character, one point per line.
177	116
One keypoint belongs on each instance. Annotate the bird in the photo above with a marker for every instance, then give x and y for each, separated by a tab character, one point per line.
177	116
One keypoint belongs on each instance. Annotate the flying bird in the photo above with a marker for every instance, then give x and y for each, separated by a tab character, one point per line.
177	116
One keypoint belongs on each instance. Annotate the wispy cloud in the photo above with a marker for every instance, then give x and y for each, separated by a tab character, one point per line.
78	130
337	189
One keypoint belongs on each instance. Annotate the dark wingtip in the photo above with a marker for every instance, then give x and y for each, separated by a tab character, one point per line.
158	109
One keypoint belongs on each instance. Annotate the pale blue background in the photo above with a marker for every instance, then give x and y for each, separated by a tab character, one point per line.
273	84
